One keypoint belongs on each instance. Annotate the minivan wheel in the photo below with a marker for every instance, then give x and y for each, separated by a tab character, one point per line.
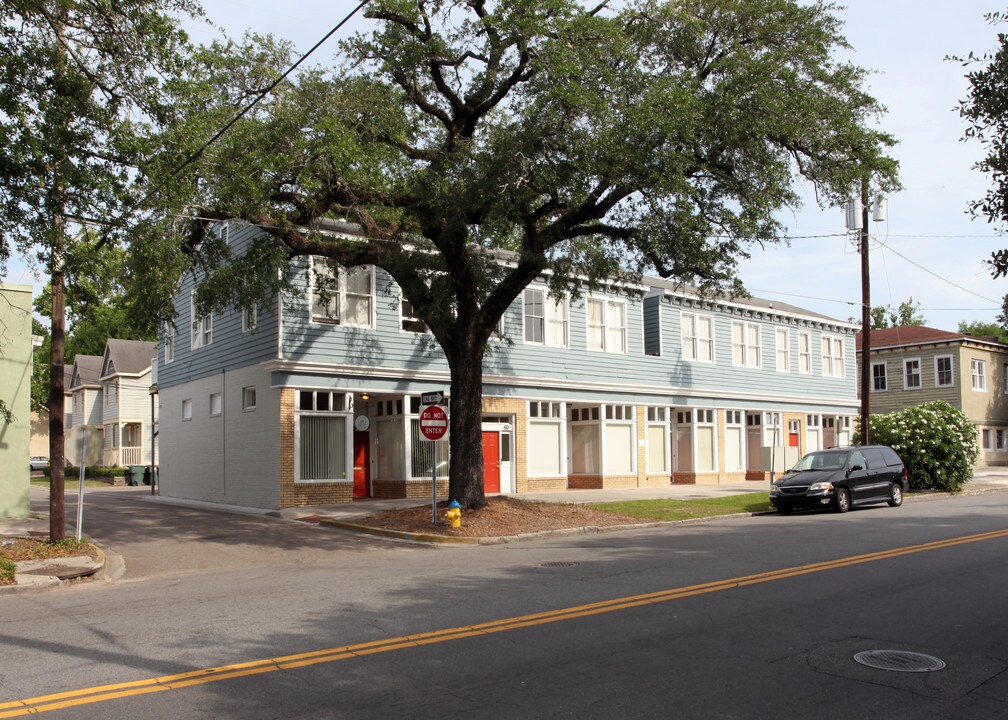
841	501
895	495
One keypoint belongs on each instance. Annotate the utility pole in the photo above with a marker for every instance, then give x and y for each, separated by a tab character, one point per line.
865	320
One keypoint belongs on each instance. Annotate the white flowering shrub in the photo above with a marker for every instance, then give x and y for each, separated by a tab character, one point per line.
937	442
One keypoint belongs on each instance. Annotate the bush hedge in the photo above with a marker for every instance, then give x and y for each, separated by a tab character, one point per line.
937	442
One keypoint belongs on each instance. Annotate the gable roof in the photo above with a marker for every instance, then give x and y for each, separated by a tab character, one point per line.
904	335
86	369
127	357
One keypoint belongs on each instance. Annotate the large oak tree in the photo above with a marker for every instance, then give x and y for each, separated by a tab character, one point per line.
591	143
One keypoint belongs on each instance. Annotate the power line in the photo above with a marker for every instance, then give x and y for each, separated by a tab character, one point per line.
262	94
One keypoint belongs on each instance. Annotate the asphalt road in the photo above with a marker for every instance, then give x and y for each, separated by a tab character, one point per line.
745	618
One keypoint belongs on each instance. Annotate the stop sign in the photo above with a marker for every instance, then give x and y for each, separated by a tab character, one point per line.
433	422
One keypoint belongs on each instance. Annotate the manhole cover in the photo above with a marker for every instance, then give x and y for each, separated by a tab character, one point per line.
557	564
899	661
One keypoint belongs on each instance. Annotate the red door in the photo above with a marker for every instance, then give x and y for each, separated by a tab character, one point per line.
361	464
491	461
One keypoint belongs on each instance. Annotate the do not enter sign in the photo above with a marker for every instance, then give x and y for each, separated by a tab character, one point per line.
433	422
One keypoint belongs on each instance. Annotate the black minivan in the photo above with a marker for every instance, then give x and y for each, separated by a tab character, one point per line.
842	478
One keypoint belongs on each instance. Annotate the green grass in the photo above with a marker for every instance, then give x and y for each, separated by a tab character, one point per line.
689	509
7	570
71	482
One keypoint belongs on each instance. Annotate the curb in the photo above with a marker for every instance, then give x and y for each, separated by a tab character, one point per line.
44	582
434	538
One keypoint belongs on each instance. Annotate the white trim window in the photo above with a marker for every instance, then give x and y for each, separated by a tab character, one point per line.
409	321
323	435
585	439
746	344
249	398
833	356
619	440
880	381
805	353
978	375
250	317
706	440
216	404
987	438
169	343
657	436
734	439
546	441
697	337
782	337
944	371
545	318
912	374
187	409
202	327
606	325
343	296
1000	440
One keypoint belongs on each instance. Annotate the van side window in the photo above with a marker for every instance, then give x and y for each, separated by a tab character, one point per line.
874	458
857	458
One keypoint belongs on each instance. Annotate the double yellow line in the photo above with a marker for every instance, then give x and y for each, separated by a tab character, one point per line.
102	693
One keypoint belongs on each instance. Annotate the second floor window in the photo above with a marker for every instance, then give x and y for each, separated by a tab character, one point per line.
832	356
169	343
783	349
978	371
911	374
411	322
804	352
943	371
745	344
606	326
545	319
697	337
202	327
879	379
344	296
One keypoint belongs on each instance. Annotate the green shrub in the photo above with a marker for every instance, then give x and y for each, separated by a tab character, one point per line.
937	442
7	569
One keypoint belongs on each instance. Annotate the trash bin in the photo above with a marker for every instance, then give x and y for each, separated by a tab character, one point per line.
136	475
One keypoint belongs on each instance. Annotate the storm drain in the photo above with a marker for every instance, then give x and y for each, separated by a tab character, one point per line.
899	661
557	564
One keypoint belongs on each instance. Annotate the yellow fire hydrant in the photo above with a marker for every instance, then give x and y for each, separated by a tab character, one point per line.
454	514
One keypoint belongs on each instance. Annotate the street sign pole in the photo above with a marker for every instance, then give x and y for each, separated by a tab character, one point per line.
433	426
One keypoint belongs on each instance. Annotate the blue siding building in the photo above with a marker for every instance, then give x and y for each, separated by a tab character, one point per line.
315	400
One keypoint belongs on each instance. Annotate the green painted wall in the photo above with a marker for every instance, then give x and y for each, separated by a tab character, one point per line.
15	390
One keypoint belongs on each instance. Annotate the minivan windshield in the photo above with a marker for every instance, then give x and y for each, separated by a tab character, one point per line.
824	460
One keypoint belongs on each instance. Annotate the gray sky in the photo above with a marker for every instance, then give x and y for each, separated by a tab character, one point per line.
929	248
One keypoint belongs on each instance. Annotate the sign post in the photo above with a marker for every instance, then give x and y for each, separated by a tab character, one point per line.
433	426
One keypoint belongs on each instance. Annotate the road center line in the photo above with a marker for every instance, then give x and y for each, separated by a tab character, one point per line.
103	693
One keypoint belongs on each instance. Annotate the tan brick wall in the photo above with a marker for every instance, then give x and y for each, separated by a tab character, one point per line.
585	482
302	494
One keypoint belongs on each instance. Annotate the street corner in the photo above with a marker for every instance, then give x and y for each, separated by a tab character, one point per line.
54	572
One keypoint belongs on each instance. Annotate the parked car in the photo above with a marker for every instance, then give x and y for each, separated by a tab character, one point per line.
842	478
38	462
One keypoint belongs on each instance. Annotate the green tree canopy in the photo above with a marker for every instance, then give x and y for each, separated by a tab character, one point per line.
78	80
592	144
908	313
981	329
985	109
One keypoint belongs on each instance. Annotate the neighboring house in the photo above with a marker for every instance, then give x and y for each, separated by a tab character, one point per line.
112	405
911	365
309	403
15	392
85	431
125	378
